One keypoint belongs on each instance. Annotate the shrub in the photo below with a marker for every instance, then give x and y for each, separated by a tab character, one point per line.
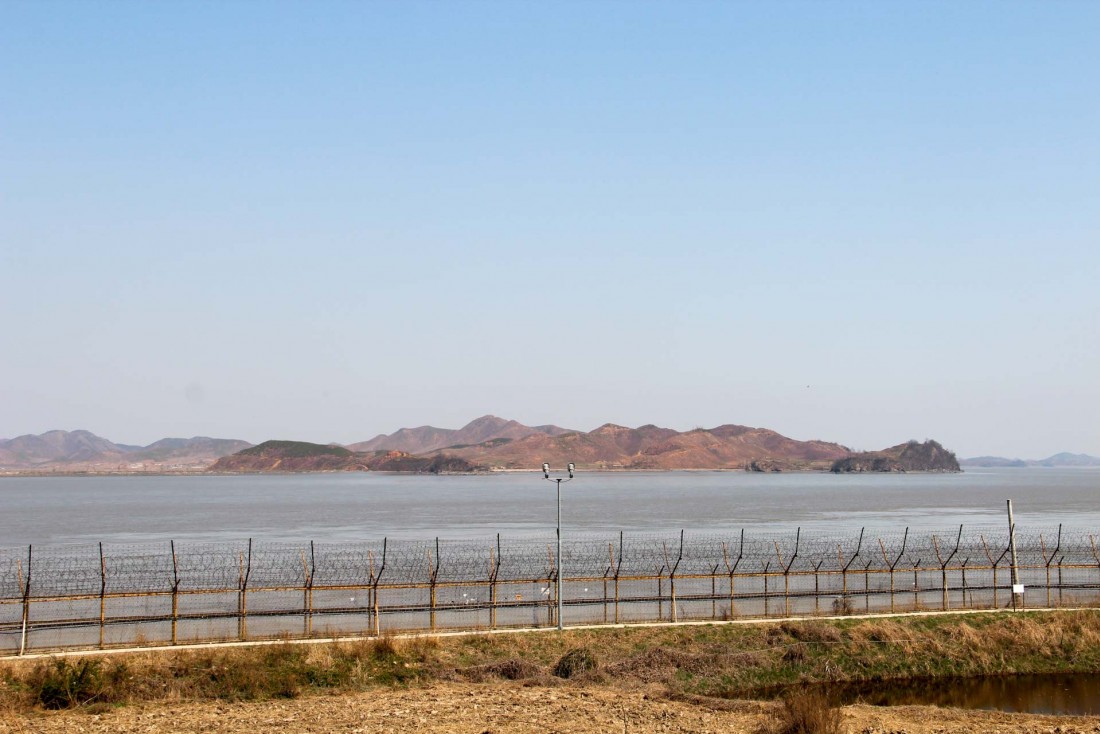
576	661
808	711
61	684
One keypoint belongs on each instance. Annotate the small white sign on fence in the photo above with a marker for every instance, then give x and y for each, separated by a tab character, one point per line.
1017	588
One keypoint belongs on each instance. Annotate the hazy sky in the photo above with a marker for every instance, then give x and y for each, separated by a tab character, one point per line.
862	222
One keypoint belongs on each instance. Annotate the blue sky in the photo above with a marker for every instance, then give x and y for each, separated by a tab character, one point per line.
862	222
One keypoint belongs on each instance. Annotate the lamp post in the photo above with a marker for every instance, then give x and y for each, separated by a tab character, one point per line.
546	475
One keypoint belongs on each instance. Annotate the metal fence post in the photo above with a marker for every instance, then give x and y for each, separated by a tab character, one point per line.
1048	560
494	569
102	595
377	579
433	575
1015	568
242	593
307	590
26	603
175	592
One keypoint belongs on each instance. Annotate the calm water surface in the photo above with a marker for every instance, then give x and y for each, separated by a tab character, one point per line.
51	510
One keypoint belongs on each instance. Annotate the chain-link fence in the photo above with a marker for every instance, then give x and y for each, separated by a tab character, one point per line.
172	593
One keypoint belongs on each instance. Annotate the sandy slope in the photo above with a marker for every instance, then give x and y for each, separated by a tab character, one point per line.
503	708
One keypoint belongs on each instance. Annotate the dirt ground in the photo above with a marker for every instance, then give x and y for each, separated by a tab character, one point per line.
511	708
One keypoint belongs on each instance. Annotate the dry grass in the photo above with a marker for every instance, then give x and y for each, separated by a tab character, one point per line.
727	661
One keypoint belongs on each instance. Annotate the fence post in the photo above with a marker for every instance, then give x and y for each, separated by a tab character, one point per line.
242	593
766	567
307	591
714	592
175	592
943	564
660	592
993	565
610	566
1015	569
102	594
551	571
494	569
378	578
844	571
618	566
1049	560
433	575
817	587
787	572
867	585
904	540
916	585
26	603
733	569
672	575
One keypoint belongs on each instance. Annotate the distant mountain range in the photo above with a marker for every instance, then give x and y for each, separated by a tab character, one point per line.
428	438
1063	459
507	445
489	443
652	448
85	451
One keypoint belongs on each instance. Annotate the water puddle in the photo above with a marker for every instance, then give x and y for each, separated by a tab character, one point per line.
1067	695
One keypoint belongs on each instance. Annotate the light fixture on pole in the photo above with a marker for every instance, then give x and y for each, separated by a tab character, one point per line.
557	573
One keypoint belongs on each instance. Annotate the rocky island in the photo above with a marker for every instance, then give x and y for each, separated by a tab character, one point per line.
911	456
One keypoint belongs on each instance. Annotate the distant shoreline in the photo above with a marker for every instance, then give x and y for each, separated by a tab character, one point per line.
203	473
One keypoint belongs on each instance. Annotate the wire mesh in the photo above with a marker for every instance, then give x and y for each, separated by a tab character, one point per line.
104	595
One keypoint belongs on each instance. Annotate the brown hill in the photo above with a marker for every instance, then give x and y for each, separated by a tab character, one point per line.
429	438
301	456
653	448
905	457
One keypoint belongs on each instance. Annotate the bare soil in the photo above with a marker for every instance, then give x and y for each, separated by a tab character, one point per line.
512	708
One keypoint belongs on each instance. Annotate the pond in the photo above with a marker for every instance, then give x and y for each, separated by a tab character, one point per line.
1063	694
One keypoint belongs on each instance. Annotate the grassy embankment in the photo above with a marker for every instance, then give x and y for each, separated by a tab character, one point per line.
714	660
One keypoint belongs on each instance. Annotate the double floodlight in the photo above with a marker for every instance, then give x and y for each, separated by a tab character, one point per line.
546	470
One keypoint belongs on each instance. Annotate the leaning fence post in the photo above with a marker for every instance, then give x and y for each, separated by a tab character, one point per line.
26	603
102	594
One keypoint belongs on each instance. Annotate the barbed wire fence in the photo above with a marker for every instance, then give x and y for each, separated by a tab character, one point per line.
112	595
